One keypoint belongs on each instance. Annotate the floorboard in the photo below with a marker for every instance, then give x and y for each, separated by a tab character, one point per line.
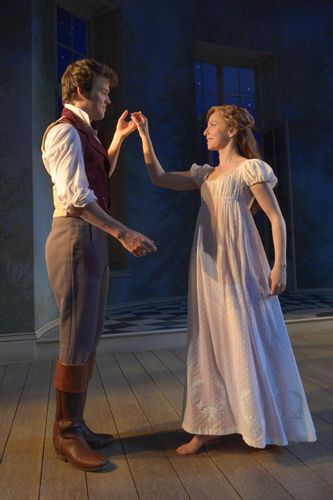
22	460
14	378
316	457
286	469
243	471
320	491
172	363
2	372
168	384
181	353
138	398
324	432
320	399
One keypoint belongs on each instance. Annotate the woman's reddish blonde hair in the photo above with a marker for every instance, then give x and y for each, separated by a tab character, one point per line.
243	121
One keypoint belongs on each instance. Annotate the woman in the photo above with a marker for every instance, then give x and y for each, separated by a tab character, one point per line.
241	372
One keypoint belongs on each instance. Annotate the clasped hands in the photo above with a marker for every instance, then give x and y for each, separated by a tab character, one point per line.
137	122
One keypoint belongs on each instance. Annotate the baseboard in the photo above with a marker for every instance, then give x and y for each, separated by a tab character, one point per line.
18	347
48	349
28	347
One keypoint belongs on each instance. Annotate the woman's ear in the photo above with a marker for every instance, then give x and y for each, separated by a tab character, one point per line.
232	131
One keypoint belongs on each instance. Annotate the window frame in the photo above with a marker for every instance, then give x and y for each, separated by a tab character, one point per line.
210	156
245	58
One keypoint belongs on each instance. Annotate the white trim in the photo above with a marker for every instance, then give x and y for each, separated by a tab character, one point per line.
313	319
45	328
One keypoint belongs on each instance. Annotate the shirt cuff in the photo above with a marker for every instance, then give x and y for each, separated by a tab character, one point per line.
82	197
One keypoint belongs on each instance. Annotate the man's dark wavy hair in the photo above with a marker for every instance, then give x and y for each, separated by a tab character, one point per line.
83	73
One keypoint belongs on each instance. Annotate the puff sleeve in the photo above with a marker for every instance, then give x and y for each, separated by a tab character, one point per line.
199	173
255	171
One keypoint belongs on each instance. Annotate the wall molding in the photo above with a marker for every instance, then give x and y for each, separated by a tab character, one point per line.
44	342
46	328
27	347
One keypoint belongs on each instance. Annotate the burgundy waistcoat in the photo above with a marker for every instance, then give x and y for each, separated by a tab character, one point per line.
96	160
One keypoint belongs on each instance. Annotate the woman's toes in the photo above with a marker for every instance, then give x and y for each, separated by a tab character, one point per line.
196	443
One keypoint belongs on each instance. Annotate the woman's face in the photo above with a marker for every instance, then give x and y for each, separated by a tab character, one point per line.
217	133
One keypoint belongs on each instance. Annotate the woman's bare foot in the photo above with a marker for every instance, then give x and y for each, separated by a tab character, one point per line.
196	443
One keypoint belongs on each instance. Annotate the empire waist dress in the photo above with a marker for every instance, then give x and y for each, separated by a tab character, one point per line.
242	376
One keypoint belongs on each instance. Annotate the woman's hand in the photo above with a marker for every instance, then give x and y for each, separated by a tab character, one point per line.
124	128
278	280
141	123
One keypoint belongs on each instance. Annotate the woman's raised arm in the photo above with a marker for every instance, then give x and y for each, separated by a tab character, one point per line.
181	181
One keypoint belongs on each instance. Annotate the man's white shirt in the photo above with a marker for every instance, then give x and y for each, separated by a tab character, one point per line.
63	159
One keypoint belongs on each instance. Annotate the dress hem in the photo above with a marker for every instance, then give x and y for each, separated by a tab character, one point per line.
250	442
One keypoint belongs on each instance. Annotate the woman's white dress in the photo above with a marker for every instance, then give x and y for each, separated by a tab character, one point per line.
241	372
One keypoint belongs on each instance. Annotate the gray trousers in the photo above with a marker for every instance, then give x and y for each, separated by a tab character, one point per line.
77	266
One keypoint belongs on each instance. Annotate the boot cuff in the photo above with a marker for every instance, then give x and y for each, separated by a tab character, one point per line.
70	378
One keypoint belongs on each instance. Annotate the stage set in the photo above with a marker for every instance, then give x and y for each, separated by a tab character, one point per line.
174	61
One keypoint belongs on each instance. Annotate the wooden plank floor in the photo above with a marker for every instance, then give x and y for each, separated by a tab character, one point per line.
138	398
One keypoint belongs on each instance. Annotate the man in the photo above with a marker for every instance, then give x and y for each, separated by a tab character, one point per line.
76	249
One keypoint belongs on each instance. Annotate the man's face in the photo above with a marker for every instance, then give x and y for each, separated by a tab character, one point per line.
98	99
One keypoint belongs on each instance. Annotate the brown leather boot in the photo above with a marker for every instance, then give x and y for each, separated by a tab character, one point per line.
94	439
70	382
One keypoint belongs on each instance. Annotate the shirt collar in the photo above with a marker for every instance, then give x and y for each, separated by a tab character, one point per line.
83	115
79	112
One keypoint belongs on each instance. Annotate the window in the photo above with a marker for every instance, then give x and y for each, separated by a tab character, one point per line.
239	87
205	87
218	84
221	84
72	43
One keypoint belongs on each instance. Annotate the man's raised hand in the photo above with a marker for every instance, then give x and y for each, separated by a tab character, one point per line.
124	128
